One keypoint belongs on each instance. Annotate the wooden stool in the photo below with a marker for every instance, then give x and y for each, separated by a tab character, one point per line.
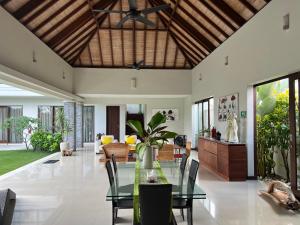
67	152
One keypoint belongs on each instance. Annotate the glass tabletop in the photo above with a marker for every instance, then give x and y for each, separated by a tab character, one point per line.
126	177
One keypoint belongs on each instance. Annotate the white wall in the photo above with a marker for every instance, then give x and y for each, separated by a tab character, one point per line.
260	50
30	104
117	81
17	44
150	103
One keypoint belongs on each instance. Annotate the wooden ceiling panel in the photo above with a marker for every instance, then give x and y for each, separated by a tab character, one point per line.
184	34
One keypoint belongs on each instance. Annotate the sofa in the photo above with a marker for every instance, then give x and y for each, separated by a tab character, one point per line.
7	206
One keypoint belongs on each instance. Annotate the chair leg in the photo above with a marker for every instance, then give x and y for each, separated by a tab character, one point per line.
113	215
182	213
190	216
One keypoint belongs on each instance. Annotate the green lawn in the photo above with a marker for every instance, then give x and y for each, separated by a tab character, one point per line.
11	160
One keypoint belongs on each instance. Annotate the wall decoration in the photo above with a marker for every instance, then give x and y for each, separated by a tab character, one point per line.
172	114
226	105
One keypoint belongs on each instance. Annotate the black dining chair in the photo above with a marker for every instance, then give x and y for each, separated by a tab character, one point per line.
124	188
156	204
117	203
188	202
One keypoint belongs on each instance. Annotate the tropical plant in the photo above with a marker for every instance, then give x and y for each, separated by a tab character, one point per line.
272	128
62	124
45	141
23	127
154	135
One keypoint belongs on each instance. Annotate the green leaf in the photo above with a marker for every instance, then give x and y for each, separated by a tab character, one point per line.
158	129
136	126
168	135
157	120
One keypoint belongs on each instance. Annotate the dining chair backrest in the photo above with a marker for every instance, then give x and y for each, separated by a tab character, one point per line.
155	203
166	153
183	163
111	177
192	176
114	162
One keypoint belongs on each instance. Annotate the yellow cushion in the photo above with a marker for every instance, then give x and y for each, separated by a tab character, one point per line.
130	140
106	140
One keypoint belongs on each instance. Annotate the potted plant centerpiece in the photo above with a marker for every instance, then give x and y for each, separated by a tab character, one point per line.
154	136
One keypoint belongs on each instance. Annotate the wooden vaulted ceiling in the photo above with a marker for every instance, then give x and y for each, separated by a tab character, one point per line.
184	35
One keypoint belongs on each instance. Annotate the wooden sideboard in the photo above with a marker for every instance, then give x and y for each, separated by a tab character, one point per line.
228	160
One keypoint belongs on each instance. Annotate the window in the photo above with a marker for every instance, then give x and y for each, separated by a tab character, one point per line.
47	116
202	116
10	135
88	124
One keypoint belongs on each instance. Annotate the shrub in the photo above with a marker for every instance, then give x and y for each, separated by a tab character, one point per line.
45	141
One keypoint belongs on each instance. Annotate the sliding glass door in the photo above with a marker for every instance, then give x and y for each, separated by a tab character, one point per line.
88	124
202	117
4	115
15	112
294	96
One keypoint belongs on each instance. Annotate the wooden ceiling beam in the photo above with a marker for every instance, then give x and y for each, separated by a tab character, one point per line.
90	54
129	68
249	6
145	35
168	28
219	15
134	43
54	15
75	44
187	46
110	41
206	18
176	42
155	43
192	31
39	12
175	56
203	27
122	35
27	8
185	37
230	12
69	42
4	2
76	24
73	60
62	20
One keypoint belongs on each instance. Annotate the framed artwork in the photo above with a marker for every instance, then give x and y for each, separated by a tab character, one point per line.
172	114
228	104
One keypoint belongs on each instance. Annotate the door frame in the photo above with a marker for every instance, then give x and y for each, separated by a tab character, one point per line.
292	161
293	135
115	137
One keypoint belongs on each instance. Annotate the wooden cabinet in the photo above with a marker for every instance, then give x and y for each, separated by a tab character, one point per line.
228	160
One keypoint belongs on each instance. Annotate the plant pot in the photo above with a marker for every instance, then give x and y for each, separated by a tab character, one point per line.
64	146
148	158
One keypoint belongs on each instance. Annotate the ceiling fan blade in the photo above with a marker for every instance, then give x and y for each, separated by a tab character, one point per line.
144	20
132	4
155	9
109	11
125	18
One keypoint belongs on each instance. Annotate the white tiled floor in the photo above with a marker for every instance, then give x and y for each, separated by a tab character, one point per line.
72	192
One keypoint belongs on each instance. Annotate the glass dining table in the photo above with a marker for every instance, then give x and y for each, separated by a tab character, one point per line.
126	181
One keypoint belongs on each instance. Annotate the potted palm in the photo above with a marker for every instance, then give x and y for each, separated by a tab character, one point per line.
154	136
62	125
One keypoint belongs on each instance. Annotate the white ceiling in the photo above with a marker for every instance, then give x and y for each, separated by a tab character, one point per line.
7	91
